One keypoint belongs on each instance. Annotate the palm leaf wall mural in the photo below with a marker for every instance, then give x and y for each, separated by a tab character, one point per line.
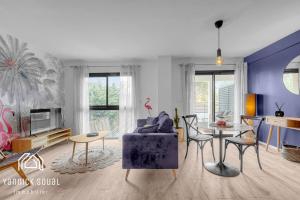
20	70
26	81
53	80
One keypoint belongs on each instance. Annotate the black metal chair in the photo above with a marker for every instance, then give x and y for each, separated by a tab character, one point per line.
243	143
198	137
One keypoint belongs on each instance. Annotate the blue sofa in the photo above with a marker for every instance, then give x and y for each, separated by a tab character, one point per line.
155	150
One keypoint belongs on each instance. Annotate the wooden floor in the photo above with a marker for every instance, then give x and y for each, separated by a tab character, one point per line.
279	179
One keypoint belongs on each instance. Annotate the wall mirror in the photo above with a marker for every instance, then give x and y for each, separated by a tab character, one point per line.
291	77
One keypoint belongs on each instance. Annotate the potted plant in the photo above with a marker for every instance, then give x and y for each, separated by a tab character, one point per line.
179	130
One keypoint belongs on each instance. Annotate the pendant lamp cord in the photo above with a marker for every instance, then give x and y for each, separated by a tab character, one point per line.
218	38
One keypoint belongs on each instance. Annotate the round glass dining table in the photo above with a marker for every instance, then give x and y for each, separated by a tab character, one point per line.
220	168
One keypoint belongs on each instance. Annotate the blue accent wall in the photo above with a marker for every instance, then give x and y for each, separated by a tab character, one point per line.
265	69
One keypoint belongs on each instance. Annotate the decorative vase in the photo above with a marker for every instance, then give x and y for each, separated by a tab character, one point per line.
279	113
180	133
176	119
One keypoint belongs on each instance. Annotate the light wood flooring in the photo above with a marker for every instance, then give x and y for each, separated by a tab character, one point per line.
279	179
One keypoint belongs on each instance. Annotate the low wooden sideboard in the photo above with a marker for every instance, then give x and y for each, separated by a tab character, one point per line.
281	122
44	139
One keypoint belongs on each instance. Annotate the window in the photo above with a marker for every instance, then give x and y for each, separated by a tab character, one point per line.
214	95
104	90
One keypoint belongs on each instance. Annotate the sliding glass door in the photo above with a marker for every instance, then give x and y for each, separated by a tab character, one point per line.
214	95
224	96
203	97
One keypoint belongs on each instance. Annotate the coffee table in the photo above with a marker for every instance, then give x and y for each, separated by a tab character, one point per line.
84	139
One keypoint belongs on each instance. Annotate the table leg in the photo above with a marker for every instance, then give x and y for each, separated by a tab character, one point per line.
103	143
221	148
174	173
127	173
86	152
269	137
73	150
278	138
219	168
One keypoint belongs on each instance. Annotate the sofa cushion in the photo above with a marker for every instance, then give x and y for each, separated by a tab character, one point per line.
165	124
147	129
151	121
141	122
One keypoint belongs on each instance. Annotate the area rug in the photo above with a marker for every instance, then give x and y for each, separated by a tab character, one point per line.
97	159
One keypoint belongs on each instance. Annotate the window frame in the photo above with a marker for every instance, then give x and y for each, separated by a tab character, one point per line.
107	106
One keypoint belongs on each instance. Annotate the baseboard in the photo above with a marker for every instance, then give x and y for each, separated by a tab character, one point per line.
265	144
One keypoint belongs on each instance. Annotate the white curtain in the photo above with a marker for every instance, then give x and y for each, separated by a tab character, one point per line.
240	76
81	100
188	89
129	93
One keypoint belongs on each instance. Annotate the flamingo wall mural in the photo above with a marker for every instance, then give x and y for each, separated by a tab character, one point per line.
6	130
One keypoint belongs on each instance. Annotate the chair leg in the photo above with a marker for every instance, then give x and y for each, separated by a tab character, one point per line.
127	173
226	144
212	147
257	154
241	157
74	145
22	174
198	148
187	149
202	155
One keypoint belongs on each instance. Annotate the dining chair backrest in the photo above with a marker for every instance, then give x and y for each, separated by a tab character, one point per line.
256	123
190	121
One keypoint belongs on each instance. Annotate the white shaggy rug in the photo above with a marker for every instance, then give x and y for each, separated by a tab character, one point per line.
97	159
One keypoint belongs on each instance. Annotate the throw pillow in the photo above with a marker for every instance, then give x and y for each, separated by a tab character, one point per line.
165	124
161	114
152	121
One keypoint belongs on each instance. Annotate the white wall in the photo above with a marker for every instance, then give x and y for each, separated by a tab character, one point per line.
69	100
165	83
149	86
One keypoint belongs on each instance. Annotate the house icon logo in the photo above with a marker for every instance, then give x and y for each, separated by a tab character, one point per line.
30	161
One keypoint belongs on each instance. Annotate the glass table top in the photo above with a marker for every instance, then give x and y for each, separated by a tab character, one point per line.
229	127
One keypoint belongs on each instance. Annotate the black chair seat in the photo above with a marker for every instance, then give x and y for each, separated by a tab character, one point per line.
200	137
243	141
15	157
13	161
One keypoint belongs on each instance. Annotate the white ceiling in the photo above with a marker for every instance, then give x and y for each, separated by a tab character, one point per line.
142	29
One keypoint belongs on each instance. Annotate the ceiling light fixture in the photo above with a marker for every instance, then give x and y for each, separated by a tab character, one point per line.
219	59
